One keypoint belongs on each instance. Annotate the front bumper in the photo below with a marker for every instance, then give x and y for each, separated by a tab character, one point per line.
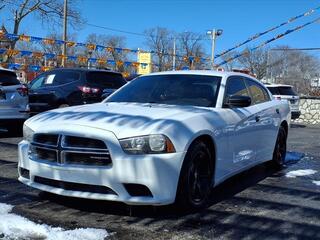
158	172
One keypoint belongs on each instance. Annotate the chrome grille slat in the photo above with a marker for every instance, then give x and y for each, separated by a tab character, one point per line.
70	155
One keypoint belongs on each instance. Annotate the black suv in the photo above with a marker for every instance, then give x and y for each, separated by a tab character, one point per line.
71	86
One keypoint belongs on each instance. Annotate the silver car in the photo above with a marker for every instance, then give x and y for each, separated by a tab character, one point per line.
14	107
286	92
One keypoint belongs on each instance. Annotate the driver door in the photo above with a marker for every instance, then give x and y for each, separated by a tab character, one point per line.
242	125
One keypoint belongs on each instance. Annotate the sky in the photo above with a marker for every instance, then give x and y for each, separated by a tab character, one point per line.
239	20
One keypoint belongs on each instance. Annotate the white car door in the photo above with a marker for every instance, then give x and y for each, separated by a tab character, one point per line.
268	120
243	126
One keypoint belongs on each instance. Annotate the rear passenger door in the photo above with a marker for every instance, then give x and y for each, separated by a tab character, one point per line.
243	132
267	119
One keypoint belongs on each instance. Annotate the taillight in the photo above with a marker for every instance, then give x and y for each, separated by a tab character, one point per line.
86	89
23	91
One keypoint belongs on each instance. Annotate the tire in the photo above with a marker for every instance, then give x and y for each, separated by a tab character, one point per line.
195	180
280	149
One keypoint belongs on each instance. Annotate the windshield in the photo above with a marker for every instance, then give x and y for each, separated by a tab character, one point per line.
195	90
282	91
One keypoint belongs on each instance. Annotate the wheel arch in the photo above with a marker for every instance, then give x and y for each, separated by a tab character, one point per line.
210	142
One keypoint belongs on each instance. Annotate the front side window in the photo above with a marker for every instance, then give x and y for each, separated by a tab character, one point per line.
258	93
175	89
236	87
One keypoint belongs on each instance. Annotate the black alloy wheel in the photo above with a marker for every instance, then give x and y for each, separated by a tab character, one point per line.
279	153
196	178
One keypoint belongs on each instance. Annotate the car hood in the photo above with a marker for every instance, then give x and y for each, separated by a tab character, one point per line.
123	119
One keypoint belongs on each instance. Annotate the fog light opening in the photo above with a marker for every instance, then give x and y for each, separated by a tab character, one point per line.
137	190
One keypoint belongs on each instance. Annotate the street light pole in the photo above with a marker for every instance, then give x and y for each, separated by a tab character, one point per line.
213	43
64	47
213	34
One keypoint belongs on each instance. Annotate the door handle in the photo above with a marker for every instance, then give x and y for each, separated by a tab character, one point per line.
277	111
257	118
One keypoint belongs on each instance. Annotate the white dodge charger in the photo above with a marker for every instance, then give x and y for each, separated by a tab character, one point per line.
162	138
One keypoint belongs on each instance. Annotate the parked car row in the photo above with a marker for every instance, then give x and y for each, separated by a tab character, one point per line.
53	89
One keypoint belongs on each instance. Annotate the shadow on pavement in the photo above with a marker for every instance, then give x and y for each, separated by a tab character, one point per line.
11	131
222	192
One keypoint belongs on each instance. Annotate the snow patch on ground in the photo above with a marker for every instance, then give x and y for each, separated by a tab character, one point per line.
316	183
13	226
293	157
300	173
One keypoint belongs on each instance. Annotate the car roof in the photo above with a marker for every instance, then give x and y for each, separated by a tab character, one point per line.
202	72
278	85
84	70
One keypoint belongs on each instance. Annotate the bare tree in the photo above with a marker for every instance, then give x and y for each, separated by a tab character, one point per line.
160	41
191	49
293	67
115	51
49	11
2	4
230	64
256	61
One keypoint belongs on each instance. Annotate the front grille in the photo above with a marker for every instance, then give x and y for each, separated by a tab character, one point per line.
46	139
87	158
43	153
81	187
72	150
81	142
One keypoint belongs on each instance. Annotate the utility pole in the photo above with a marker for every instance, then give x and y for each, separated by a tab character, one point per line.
64	47
174	55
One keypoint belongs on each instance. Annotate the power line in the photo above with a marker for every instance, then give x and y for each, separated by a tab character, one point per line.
295	49
269	41
269	30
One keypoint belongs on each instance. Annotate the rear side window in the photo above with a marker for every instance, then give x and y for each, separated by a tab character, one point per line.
8	78
258	93
105	79
54	79
288	91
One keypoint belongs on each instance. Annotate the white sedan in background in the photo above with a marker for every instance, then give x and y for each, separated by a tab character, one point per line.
162	138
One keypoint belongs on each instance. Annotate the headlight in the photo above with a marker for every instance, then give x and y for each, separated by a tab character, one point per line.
150	144
27	133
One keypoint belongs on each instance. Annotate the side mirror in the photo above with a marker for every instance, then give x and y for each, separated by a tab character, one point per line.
107	92
238	101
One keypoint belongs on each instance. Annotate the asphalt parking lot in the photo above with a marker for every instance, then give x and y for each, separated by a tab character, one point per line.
261	203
